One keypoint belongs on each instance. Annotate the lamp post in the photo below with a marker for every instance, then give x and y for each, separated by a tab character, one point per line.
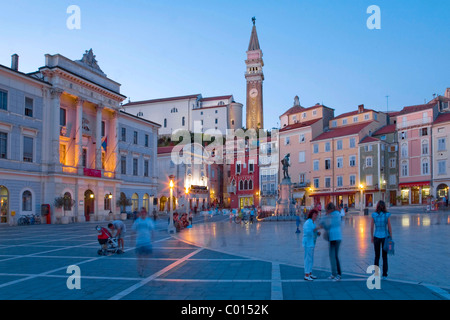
361	189
186	191
171	228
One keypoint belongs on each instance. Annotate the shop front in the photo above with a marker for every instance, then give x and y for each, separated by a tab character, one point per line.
415	193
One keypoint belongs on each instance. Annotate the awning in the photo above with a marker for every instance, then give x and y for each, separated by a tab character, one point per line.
342	193
298	195
414	184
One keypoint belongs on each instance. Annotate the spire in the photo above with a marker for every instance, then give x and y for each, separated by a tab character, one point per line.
254	43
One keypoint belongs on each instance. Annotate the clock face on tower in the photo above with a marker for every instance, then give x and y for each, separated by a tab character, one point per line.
253	93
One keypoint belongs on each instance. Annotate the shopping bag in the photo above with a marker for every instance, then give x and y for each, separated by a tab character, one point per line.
389	246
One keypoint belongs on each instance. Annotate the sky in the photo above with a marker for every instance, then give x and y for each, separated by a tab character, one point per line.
320	50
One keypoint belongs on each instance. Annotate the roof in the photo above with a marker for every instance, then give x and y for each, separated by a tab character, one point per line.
192	96
139	118
254	42
342	131
443	117
28	76
419	107
298	109
352	113
369	139
390	128
299	125
167	149
217	98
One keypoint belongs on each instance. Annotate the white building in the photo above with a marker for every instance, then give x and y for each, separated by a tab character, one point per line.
193	113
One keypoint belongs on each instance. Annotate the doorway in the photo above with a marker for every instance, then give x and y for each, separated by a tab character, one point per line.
4	204
88	204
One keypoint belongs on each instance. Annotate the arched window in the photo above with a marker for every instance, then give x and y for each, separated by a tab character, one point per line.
67	201
425	166
245	185
134	202
241	185
145	202
425	147
404	150
107	201
250	184
26	200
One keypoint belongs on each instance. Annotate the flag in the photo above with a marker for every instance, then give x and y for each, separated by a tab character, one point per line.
105	143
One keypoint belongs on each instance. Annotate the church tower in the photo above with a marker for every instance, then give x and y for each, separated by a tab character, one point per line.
255	77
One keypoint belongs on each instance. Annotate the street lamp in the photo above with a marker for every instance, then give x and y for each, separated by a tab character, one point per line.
171	228
361	189
186	191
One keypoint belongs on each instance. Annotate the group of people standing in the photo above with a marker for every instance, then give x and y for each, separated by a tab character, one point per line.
330	227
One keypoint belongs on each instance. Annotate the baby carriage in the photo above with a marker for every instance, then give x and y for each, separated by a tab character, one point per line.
108	243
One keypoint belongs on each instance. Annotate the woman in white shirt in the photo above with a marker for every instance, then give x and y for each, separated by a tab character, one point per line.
310	233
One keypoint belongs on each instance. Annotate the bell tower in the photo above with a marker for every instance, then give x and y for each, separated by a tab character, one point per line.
255	77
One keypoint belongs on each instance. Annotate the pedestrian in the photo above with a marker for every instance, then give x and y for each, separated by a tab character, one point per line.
310	234
120	229
380	230
143	226
332	224
155	215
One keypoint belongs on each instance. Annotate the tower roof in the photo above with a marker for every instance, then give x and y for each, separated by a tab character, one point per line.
254	42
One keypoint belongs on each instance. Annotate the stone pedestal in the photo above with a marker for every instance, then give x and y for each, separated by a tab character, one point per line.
285	203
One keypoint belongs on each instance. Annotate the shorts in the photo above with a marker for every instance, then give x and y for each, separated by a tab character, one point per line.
121	235
144	250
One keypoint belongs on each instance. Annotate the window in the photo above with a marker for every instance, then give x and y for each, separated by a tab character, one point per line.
366	117
316	165
352	161
26	201
339	145
241	185
123	165
339	181
304	115
369	162
442	166
216	121
250	184
316	183
124	134
403	135
67	202
352	142
369	180
368	148
27	149
135	137
355	119
3	145
344	121
302	178
392	180
424	147
250	166
327	164
135	166
103	159
146	140
352	180
423	132
340	162
392	163
103	128
441	144
183	121
404	150
301	156
302	138
425	166
145	168
316	148
327	146
238	167
107	202
165	123
327	182
28	107
334	123
62	117
404	169
3	100
287	140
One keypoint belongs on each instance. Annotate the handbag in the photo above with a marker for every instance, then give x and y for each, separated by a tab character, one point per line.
389	246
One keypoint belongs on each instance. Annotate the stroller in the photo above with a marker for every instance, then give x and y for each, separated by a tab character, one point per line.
108	243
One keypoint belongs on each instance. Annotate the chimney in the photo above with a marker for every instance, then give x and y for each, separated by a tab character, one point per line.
361	108
15	62
447	93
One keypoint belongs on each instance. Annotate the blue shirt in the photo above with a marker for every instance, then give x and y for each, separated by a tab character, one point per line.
309	235
332	223
143	228
380	221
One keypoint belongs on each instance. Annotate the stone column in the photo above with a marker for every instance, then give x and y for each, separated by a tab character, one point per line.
79	135
55	106
98	137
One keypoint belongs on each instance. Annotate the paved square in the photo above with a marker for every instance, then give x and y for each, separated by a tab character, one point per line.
219	260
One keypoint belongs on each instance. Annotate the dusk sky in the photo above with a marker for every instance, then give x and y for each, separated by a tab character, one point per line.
320	50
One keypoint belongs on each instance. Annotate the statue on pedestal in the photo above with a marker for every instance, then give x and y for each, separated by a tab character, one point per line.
286	165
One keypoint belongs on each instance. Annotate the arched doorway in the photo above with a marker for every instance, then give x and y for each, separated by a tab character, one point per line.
146	202
88	203
442	190
162	203
4	204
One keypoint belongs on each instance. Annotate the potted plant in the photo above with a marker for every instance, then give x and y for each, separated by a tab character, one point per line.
123	202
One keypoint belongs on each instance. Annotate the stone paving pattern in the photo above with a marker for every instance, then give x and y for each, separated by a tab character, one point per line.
220	260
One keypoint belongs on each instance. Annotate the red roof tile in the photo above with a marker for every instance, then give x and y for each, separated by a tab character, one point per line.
390	128
342	131
299	125
443	117
369	139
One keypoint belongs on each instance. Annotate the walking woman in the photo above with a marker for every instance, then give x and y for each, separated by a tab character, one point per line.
310	234
380	229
